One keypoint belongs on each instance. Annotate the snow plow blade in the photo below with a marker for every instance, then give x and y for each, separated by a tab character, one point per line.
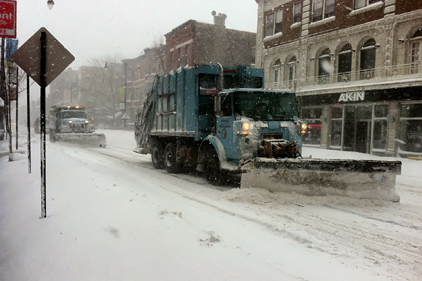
362	179
83	138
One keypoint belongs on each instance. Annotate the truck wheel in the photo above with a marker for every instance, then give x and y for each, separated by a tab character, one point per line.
170	159
212	169
157	156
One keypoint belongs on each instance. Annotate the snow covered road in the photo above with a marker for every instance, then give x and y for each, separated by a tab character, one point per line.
112	216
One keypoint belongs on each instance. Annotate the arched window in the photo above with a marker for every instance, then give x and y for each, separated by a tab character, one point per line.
344	66
367	59
324	67
291	72
276	71
415	52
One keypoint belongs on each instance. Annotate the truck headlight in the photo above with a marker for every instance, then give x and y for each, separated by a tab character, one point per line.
245	126
245	129
86	121
303	127
70	122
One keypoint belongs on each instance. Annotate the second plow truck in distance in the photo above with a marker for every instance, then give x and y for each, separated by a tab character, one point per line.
221	121
71	124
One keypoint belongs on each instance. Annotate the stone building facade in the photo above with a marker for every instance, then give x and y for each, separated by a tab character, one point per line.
355	65
194	43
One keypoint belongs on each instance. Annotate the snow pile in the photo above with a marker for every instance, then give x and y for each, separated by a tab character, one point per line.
260	196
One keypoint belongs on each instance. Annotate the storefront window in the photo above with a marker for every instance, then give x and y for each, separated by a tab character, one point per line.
313	133
411	128
380	110
337	112
336	133
364	113
380	134
349	128
336	126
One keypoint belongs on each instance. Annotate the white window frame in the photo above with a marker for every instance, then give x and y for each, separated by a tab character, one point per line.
276	71
365	3
277	19
295	12
324	9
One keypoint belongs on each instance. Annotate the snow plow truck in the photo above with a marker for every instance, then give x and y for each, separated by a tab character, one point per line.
71	124
221	121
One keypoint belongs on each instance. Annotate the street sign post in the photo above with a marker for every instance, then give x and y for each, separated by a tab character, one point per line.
28	57
8	19
43	58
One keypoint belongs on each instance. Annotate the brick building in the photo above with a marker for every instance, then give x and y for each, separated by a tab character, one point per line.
355	65
141	72
195	42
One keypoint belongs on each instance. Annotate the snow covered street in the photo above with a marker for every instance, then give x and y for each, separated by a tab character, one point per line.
112	216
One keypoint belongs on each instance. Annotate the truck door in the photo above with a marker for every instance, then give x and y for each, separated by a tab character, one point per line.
224	129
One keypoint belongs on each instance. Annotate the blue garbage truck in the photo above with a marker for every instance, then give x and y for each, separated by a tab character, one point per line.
221	121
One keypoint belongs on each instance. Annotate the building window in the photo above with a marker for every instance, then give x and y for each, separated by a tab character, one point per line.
322	9
273	24
179	57
367	60
363	3
291	72
187	55
297	12
171	61
276	71
344	64
415	52
324	67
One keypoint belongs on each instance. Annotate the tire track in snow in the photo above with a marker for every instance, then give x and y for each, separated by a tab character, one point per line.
321	233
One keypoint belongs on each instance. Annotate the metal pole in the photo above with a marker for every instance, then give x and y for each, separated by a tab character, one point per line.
42	119
17	106
28	122
124	115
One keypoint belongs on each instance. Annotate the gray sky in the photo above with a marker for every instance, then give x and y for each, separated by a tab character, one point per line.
96	28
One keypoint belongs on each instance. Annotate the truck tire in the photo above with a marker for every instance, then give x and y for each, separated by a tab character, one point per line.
170	158
212	169
157	156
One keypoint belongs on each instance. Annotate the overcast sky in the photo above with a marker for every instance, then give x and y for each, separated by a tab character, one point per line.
97	28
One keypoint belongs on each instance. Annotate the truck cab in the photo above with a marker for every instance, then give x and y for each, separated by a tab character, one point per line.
70	119
247	117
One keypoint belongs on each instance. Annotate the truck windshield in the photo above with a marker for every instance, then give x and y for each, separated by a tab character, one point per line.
268	106
73	114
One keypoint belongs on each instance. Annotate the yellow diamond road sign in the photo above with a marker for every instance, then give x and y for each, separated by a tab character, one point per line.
28	57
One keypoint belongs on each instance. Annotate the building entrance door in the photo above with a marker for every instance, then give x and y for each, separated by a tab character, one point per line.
363	136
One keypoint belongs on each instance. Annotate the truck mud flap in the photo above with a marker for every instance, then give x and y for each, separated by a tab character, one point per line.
369	179
84	139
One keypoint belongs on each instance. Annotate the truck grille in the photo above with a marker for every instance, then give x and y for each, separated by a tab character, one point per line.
277	136
78	127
